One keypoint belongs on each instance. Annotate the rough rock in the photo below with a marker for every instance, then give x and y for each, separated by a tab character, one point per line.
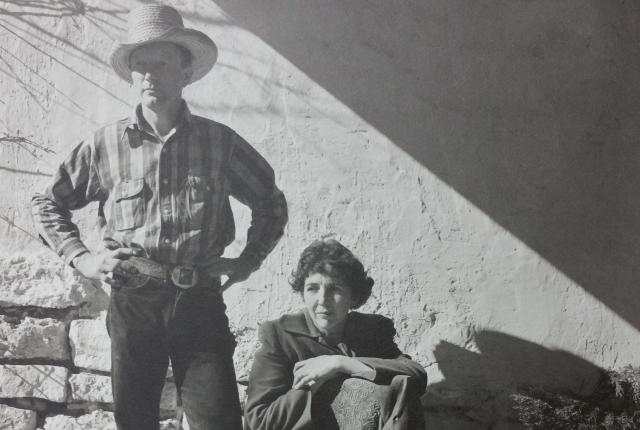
90	344
247	345
169	399
33	338
96	420
88	387
45	382
170	425
17	419
43	282
242	392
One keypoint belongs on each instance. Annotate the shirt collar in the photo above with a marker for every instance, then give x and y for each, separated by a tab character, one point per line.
137	122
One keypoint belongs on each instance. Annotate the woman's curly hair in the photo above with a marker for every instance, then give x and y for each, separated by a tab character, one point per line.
331	258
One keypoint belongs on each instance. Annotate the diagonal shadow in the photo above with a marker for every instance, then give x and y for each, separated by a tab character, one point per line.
24	230
60	9
526	108
24	172
29	145
65	66
23	20
36	73
34	386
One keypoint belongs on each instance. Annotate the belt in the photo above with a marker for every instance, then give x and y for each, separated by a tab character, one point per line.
183	277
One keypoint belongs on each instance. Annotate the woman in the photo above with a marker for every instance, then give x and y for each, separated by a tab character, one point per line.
328	366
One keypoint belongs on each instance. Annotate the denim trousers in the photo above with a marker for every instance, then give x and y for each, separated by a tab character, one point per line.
156	323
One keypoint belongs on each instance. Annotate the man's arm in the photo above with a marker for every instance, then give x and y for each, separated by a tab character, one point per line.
74	185
253	183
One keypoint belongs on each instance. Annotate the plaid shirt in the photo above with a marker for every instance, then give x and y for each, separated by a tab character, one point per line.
170	200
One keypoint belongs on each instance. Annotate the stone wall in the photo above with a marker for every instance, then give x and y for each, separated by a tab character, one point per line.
479	156
54	350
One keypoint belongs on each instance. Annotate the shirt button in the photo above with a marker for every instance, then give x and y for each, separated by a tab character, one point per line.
165	181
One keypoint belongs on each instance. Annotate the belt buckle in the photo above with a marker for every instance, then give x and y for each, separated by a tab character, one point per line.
184	277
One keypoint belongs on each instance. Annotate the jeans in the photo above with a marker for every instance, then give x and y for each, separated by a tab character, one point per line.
155	323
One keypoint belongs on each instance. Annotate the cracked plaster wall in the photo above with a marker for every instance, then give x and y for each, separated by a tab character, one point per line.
475	303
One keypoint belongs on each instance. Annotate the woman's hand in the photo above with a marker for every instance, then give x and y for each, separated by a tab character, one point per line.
317	370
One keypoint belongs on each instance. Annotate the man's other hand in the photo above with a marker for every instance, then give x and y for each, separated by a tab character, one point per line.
236	269
104	265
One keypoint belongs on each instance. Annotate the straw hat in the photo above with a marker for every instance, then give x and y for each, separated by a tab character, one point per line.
160	23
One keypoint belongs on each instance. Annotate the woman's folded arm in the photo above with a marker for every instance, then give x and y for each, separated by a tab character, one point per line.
271	402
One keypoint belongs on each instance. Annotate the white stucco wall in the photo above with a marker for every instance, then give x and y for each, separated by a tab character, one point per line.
478	156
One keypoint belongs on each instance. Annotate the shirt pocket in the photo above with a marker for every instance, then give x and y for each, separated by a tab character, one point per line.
198	191
129	204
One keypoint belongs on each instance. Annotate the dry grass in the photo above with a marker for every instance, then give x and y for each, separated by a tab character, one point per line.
614	405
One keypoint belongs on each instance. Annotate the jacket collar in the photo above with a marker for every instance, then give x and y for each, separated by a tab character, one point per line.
300	323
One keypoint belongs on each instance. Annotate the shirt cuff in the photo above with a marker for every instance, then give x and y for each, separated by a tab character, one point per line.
70	249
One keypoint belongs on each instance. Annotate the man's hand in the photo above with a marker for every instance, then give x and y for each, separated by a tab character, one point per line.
104	265
236	269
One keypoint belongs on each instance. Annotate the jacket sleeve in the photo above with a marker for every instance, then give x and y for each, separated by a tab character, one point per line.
388	361
253	183
271	402
75	184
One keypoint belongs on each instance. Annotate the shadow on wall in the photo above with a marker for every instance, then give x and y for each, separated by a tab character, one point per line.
482	382
526	108
29	22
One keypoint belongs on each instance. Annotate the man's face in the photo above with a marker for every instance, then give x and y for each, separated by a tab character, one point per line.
158	73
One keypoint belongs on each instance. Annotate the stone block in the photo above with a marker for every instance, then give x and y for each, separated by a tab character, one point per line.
17	419
168	401
46	282
96	420
170	424
88	387
45	382
90	344
34	338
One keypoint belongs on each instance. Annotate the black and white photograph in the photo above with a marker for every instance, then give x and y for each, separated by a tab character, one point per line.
319	215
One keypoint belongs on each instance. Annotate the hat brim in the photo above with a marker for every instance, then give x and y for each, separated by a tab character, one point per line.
204	52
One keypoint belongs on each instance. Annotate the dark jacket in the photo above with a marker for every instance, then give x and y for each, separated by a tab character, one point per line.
273	405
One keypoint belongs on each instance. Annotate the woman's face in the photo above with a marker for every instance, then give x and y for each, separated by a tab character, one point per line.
328	302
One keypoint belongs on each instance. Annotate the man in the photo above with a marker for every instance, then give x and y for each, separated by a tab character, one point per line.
163	178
